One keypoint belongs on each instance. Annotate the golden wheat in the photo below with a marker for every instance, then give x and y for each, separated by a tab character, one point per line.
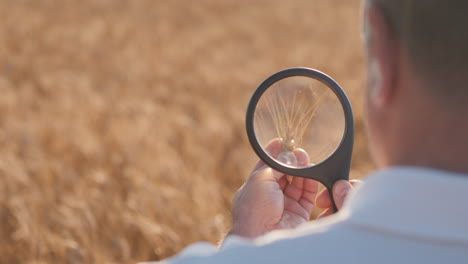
122	122
290	104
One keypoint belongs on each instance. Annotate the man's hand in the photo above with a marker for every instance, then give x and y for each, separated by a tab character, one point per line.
268	201
340	192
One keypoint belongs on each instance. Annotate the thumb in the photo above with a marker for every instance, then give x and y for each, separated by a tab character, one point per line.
340	192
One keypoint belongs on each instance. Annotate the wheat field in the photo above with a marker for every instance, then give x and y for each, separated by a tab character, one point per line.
122	132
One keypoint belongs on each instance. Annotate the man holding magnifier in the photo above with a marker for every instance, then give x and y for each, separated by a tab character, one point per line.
412	210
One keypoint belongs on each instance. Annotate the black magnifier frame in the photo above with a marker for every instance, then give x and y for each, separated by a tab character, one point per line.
337	165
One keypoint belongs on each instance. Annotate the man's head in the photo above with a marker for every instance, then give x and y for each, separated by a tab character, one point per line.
417	54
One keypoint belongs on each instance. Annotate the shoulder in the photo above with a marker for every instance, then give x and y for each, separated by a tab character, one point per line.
275	247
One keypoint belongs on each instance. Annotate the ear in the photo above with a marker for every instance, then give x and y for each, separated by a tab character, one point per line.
382	57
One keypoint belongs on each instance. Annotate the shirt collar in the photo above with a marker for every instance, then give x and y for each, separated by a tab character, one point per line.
413	201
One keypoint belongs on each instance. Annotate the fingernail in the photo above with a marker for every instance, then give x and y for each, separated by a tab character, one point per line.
343	189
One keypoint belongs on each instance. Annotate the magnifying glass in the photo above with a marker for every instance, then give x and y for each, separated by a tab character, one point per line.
311	117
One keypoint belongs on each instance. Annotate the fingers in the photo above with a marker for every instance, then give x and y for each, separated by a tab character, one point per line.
273	148
323	200
340	191
295	189
283	182
302	190
302	157
309	187
325	213
309	193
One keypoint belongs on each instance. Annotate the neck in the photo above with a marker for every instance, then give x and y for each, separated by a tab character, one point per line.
427	134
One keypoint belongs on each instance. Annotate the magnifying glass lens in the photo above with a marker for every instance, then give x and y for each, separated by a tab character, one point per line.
305	115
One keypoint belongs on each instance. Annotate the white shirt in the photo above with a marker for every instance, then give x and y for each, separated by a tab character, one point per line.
398	215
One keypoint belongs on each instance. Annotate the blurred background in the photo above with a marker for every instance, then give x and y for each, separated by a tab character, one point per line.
122	132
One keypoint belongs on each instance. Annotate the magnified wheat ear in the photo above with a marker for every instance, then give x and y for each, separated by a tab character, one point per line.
292	112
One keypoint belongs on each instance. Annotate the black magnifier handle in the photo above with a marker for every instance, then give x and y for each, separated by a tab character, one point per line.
335	209
332	197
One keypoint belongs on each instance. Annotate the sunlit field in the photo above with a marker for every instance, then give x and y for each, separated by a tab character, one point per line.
122	134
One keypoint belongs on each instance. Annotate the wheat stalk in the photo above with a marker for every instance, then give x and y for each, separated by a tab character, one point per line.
292	113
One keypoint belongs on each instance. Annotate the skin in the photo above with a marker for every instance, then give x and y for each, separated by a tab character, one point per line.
267	201
406	125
